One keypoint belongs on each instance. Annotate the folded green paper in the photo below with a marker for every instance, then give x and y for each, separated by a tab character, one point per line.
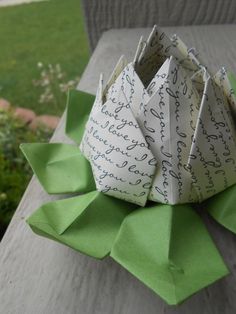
60	168
222	208
169	249
88	223
79	106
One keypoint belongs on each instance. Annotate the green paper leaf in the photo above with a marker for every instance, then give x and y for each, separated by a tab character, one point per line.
60	168
169	249
88	223
222	208
232	80
79	106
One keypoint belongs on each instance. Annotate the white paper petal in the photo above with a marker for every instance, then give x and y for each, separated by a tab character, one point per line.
153	55
129	82
186	57
212	161
168	121
116	72
140	47
222	80
99	95
122	164
158	48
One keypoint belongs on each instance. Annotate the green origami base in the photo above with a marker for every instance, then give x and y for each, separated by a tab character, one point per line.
167	247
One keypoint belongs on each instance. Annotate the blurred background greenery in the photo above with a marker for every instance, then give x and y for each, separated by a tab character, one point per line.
50	32
34	39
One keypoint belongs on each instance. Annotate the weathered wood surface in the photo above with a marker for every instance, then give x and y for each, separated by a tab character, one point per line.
103	15
43	277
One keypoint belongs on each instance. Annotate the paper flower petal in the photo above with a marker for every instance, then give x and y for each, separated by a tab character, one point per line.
155	51
187	57
167	121
60	168
88	223
227	81
132	87
222	208
169	249
121	64
79	105
212	160
123	166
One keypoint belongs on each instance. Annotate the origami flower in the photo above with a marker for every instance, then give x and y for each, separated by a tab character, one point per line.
160	131
169	139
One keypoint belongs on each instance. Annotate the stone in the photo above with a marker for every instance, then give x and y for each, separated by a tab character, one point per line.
23	114
47	121
4	104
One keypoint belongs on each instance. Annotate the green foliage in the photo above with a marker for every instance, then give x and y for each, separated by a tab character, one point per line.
50	32
14	170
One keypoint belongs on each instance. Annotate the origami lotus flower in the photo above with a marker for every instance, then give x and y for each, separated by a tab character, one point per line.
160	130
169	137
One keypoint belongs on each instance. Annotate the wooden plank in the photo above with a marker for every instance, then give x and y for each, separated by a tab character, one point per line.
103	15
41	276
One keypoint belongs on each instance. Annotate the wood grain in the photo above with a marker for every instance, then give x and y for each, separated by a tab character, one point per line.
43	277
103	15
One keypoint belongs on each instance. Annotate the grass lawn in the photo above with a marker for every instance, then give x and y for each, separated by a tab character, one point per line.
48	32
